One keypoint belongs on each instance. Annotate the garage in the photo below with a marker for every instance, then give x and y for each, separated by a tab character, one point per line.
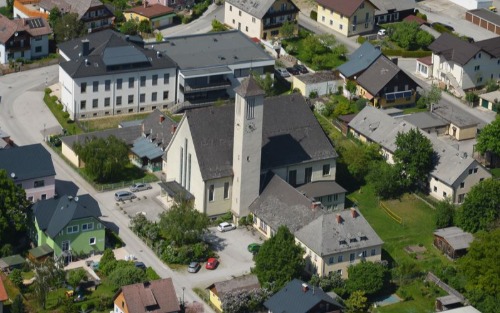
485	19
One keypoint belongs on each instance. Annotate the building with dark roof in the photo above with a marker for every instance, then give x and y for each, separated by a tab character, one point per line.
107	73
23	38
484	18
390	11
31	168
262	18
348	17
300	297
157	15
460	65
151	296
69	225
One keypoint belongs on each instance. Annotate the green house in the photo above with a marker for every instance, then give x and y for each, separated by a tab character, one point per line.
69	225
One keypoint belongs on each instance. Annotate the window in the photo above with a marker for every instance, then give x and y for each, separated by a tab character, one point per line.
445	194
479	55
362	5
292	177
95	103
166	78
38	49
87	226
130	99
352	257
250	108
373	252
83	88
246	29
142	98
239	13
308	175
326	169
155	80
119	100
231	8
154	96
435	188
470	171
107	101
364	254
72	229
165	95
65	245
92	241
481	179
253	19
83	104
331	23
477	67
233	21
322	18
95	86
143	81
461	198
107	85
131	82
44	196
226	190
263	226
329	198
341	26
479	79
340	259
211	195
475	170
331	260
119	83
462	184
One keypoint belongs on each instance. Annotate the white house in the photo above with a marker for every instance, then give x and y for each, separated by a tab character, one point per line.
23	38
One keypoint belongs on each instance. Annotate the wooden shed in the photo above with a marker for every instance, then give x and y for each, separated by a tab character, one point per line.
485	19
452	241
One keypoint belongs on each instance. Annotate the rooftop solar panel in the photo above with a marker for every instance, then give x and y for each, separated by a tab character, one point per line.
123	55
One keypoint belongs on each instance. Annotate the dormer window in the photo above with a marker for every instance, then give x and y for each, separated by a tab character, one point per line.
362	5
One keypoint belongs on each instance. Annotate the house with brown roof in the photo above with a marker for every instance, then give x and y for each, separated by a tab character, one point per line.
25	38
348	17
235	285
3	295
153	296
157	15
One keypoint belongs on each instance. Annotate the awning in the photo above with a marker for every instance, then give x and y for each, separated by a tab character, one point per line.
41	251
209	71
175	190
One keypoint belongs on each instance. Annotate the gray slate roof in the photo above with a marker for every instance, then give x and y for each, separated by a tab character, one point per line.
52	215
326	236
486	14
397	5
127	134
212	50
257	8
321	188
318	77
359	60
491	96
110	53
249	88
492	45
453	48
292	299
456	237
299	135
281	204
454	114
424	120
27	162
247	282
79	7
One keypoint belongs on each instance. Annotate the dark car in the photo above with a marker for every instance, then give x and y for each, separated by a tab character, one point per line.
301	68
439	26
293	70
140	265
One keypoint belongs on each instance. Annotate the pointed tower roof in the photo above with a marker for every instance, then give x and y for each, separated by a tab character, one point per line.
249	88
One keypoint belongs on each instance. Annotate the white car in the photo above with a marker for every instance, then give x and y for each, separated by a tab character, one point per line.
283	72
139	187
382	32
225	226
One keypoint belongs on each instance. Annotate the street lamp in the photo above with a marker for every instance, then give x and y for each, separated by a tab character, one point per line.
183	296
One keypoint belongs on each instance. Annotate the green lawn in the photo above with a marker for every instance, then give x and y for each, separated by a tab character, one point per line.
495	172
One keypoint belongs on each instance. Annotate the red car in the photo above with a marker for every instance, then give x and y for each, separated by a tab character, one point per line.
212	264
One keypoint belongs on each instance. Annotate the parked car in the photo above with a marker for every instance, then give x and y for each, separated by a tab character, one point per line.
225	226
301	68
441	25
140	265
212	264
293	70
282	72
382	32
124	195
194	267
253	248
140	187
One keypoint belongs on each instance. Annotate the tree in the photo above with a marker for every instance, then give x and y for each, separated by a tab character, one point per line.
481	207
491	85
13	209
279	260
54	16
159	37
48	274
126	275
327	40
445	211
357	302
471	97
144	27
351	86
483	277
359	158
17	305
68	27
385	179
414	158
108	262
75	277
434	94
16	277
265	83
342	108
487	140
130	27
328	283
404	34
369	277
287	30
241	301
312	47
423	38
105	158
183	224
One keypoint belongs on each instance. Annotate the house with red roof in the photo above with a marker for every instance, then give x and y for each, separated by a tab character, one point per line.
3	295
157	15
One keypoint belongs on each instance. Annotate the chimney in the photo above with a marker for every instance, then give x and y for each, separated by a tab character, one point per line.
173	129
339	219
145	3
305	288
85	47
354	213
395	60
162	118
315	205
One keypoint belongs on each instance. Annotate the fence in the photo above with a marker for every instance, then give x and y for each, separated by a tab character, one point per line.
433	278
391	214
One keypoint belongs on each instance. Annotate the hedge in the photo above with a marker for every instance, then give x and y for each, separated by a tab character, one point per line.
406	54
361	39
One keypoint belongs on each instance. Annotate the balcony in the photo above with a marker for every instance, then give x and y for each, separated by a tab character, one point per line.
218	85
280	13
17	46
276	24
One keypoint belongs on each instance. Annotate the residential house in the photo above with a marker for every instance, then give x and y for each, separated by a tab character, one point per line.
106	73
424	66
158	16
5	141
239	284
211	65
459	65
260	18
300	297
461	125
348	17
31	168
318	83
385	85
452	241
151	296
3	295
69	225
427	122
485	19
455	172
390	11
219	153
328	192
23	38
491	100
178	5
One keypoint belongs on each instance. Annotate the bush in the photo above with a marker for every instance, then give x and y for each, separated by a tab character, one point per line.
186	19
406	54
422	16
314	15
361	39
313	94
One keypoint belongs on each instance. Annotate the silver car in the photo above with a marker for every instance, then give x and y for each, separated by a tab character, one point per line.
124	195
283	72
140	187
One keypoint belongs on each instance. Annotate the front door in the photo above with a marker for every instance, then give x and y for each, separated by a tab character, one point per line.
484	103
65	245
239	26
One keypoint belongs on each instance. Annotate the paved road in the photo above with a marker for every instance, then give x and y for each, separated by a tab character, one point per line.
199	26
23	115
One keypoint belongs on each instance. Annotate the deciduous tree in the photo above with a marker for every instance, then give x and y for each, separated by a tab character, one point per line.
359	158
126	275
17	305
445	211
16	277
357	302
287	30
351	86
488	139
385	179
48	274
76	276
68	27
241	301
369	277
129	27
279	260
